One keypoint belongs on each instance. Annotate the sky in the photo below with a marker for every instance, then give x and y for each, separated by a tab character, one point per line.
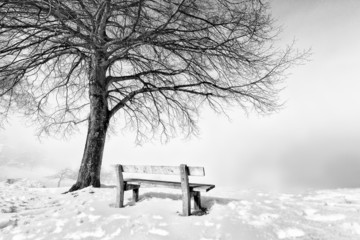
311	142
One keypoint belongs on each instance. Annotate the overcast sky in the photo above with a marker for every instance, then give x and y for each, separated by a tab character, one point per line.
313	141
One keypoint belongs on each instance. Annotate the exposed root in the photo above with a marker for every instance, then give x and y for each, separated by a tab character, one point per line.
78	186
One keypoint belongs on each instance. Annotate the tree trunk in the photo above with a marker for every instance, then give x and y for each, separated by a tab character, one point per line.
89	172
59	181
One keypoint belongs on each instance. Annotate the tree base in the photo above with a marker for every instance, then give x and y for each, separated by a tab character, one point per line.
81	185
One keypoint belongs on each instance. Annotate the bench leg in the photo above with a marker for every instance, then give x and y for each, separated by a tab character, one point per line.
120	187
135	195
119	197
186	194
186	199
197	200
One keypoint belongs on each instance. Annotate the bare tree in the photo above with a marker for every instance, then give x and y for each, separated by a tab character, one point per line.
149	64
62	174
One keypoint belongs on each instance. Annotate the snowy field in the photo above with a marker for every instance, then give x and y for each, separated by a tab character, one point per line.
29	211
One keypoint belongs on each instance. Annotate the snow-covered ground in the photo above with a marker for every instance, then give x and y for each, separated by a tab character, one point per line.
29	211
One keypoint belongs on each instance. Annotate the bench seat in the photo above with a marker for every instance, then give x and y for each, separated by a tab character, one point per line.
189	190
194	187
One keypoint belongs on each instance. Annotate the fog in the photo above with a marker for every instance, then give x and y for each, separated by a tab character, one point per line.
311	142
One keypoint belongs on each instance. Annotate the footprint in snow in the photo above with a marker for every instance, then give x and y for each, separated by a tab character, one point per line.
311	214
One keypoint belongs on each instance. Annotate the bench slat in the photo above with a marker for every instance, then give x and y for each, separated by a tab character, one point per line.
169	184
166	170
202	188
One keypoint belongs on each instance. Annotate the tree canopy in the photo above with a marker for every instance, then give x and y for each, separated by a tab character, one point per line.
162	59
150	64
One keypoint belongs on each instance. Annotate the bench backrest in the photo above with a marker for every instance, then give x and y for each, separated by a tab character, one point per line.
183	171
164	170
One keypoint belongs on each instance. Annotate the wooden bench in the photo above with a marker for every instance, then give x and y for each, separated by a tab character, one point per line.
188	189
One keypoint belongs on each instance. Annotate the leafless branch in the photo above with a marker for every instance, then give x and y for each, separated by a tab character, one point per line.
162	60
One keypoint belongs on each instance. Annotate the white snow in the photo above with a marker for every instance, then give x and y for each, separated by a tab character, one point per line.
353	227
98	233
30	211
159	231
290	233
327	218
